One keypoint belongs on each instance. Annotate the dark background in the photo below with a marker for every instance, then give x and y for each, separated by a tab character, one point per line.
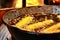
6	3
9	3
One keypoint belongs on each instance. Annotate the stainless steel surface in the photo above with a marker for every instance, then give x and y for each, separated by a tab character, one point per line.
4	33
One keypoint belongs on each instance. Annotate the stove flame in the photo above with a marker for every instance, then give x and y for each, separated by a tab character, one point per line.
34	2
18	3
56	1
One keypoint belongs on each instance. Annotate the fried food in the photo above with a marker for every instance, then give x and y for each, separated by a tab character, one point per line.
38	25
24	21
52	29
47	22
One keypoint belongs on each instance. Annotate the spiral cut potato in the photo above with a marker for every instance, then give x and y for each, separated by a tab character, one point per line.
38	25
47	22
52	29
24	21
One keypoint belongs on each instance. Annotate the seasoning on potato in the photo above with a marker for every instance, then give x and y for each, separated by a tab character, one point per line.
24	21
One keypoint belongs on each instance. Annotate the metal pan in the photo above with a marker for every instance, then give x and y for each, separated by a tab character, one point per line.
26	35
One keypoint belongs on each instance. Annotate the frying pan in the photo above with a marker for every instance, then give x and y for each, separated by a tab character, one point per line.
19	34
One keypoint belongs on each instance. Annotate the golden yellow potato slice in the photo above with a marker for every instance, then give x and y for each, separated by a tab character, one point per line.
52	29
38	25
24	21
47	22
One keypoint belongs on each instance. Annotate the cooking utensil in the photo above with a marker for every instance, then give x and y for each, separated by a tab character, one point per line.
26	35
